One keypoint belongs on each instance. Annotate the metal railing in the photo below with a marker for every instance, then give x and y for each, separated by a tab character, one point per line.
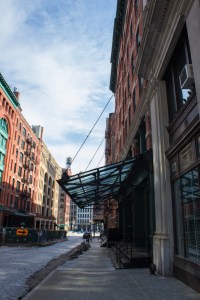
131	251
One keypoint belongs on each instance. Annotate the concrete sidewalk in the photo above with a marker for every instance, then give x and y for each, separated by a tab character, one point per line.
92	276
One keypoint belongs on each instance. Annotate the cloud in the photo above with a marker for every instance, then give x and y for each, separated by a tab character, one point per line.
57	53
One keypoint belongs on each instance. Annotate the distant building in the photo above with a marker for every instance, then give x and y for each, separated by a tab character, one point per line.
73	216
48	198
64	207
84	219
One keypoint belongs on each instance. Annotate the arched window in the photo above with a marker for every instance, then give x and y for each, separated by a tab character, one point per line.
3	125
50	181
3	140
45	178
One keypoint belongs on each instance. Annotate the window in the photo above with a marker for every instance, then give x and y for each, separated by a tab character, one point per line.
128	84
21	157
2	141
132	63
16	202
20	171
187	215
134	101
18	186
28	206
24	132
22	144
3	125
11	200
2	157
176	95
138	39
11	164
13	183
136	7
186	157
129	116
125	128
140	81
131	30
198	146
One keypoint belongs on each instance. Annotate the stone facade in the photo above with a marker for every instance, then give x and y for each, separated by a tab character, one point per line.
64	207
48	190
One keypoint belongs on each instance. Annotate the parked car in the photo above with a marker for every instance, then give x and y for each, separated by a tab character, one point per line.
86	235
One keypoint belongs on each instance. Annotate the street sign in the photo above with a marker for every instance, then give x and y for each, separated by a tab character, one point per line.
21	231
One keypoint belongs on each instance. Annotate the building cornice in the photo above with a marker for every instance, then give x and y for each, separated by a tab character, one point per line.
161	21
154	17
11	96
117	31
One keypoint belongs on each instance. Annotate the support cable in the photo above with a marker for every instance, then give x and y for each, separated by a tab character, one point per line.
92	129
99	118
94	154
101	160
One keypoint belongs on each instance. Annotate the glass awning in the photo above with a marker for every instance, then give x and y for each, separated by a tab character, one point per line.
98	184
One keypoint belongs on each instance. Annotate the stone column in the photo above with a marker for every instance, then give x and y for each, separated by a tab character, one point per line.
163	237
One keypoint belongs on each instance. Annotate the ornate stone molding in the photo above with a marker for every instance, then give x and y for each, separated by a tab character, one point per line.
163	20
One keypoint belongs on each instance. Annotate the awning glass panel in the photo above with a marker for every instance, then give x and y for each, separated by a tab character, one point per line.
98	184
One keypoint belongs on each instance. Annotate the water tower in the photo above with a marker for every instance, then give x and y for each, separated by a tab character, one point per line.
68	162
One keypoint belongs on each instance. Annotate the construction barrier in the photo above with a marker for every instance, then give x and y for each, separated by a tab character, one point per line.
14	235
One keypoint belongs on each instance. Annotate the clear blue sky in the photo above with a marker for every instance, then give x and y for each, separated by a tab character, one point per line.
57	54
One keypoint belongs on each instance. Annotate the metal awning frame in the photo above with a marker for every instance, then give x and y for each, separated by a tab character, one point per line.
99	184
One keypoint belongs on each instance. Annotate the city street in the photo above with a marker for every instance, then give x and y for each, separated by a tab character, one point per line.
20	262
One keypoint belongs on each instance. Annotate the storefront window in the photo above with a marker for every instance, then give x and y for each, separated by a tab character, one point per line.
179	219
187	215
198	146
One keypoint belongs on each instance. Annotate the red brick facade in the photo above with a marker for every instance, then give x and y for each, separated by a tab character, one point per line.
20	166
132	129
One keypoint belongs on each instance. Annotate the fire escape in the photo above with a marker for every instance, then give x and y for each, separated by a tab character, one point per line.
29	162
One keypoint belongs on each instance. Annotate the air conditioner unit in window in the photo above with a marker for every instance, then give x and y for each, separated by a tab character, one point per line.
186	77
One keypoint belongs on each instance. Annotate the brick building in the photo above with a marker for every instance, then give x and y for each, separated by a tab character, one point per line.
128	132
155	77
64	207
20	158
28	172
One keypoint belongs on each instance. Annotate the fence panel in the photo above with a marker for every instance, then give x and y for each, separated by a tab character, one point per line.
13	235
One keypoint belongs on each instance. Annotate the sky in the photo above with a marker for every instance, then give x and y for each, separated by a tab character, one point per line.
57	54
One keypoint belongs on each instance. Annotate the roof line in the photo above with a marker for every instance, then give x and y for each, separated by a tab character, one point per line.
9	92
